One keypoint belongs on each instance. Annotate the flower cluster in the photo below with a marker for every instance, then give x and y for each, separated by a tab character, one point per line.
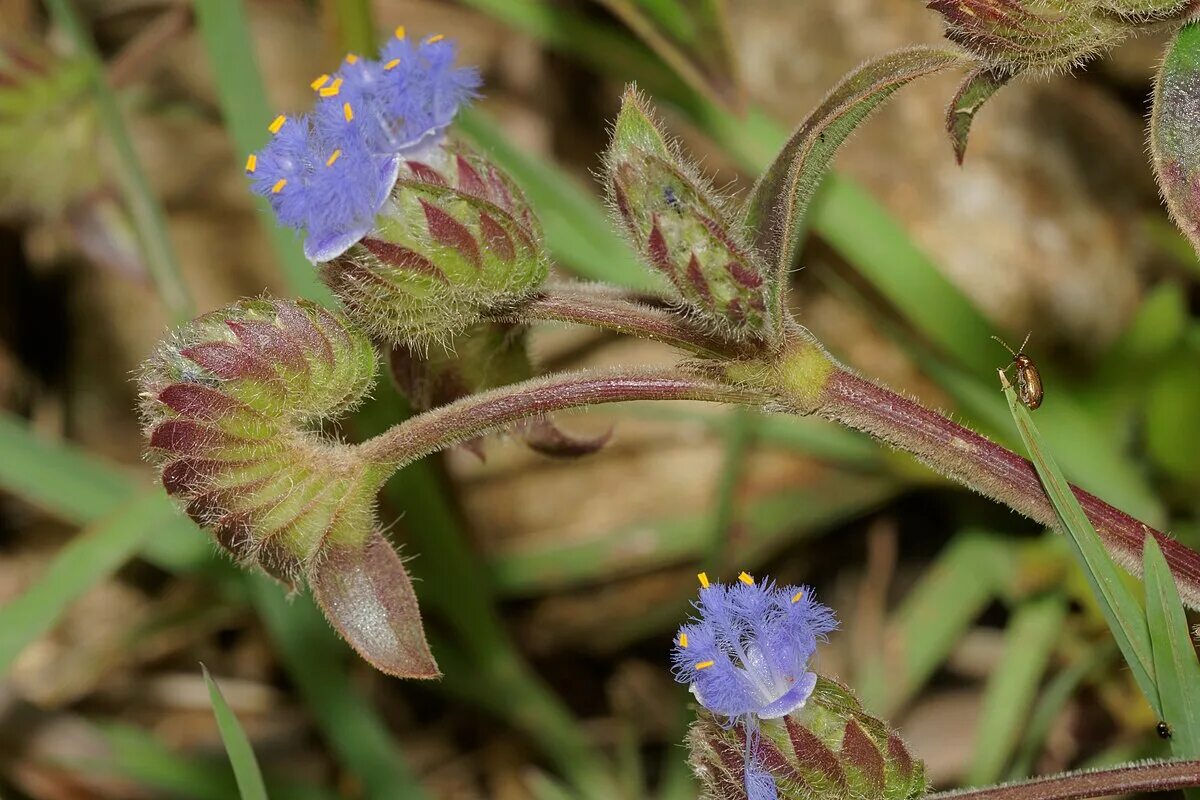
329	172
746	657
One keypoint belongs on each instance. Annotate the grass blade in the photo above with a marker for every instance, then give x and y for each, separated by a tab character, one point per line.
1176	669
56	477
1051	702
237	744
1032	635
694	42
1125	616
85	561
148	218
965	578
137	755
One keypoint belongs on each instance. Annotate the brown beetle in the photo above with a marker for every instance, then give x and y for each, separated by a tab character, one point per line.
1029	380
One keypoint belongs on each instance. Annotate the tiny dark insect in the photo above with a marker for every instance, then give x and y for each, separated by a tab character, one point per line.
1029	380
1163	730
672	199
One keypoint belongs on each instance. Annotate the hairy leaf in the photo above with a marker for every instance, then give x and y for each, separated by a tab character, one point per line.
1144	10
775	213
976	89
1175	130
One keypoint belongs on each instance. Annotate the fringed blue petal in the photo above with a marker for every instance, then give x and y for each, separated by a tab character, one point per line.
329	173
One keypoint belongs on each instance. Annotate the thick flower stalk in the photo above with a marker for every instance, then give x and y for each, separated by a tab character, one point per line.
773	727
330	172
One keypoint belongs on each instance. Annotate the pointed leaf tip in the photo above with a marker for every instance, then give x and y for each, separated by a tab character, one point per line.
975	90
368	597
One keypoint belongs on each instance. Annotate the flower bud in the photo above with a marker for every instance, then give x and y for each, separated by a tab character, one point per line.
771	727
677	223
231	404
227	402
1016	35
455	238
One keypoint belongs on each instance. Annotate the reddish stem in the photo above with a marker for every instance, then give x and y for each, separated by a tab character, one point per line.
1160	777
993	471
479	414
600	307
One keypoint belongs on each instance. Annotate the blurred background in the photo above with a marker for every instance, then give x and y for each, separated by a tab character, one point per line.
551	589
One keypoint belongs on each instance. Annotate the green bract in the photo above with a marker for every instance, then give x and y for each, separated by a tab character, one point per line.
227	402
231	402
456	239
678	224
830	749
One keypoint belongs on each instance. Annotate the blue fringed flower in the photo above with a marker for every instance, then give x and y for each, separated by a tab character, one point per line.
745	657
329	173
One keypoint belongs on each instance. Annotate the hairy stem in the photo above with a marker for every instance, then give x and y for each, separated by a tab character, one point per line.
600	307
992	470
483	413
1157	777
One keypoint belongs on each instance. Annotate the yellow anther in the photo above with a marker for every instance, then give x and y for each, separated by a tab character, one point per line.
347	112
319	82
251	162
332	89
278	187
277	123
683	640
434	39
332	158
703	576
746	579
351	58
705	664
798	596
391	64
400	32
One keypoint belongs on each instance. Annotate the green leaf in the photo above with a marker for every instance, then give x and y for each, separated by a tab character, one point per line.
962	581
237	745
691	37
1125	616
91	557
1176	667
776	210
976	89
1174	137
1032	635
